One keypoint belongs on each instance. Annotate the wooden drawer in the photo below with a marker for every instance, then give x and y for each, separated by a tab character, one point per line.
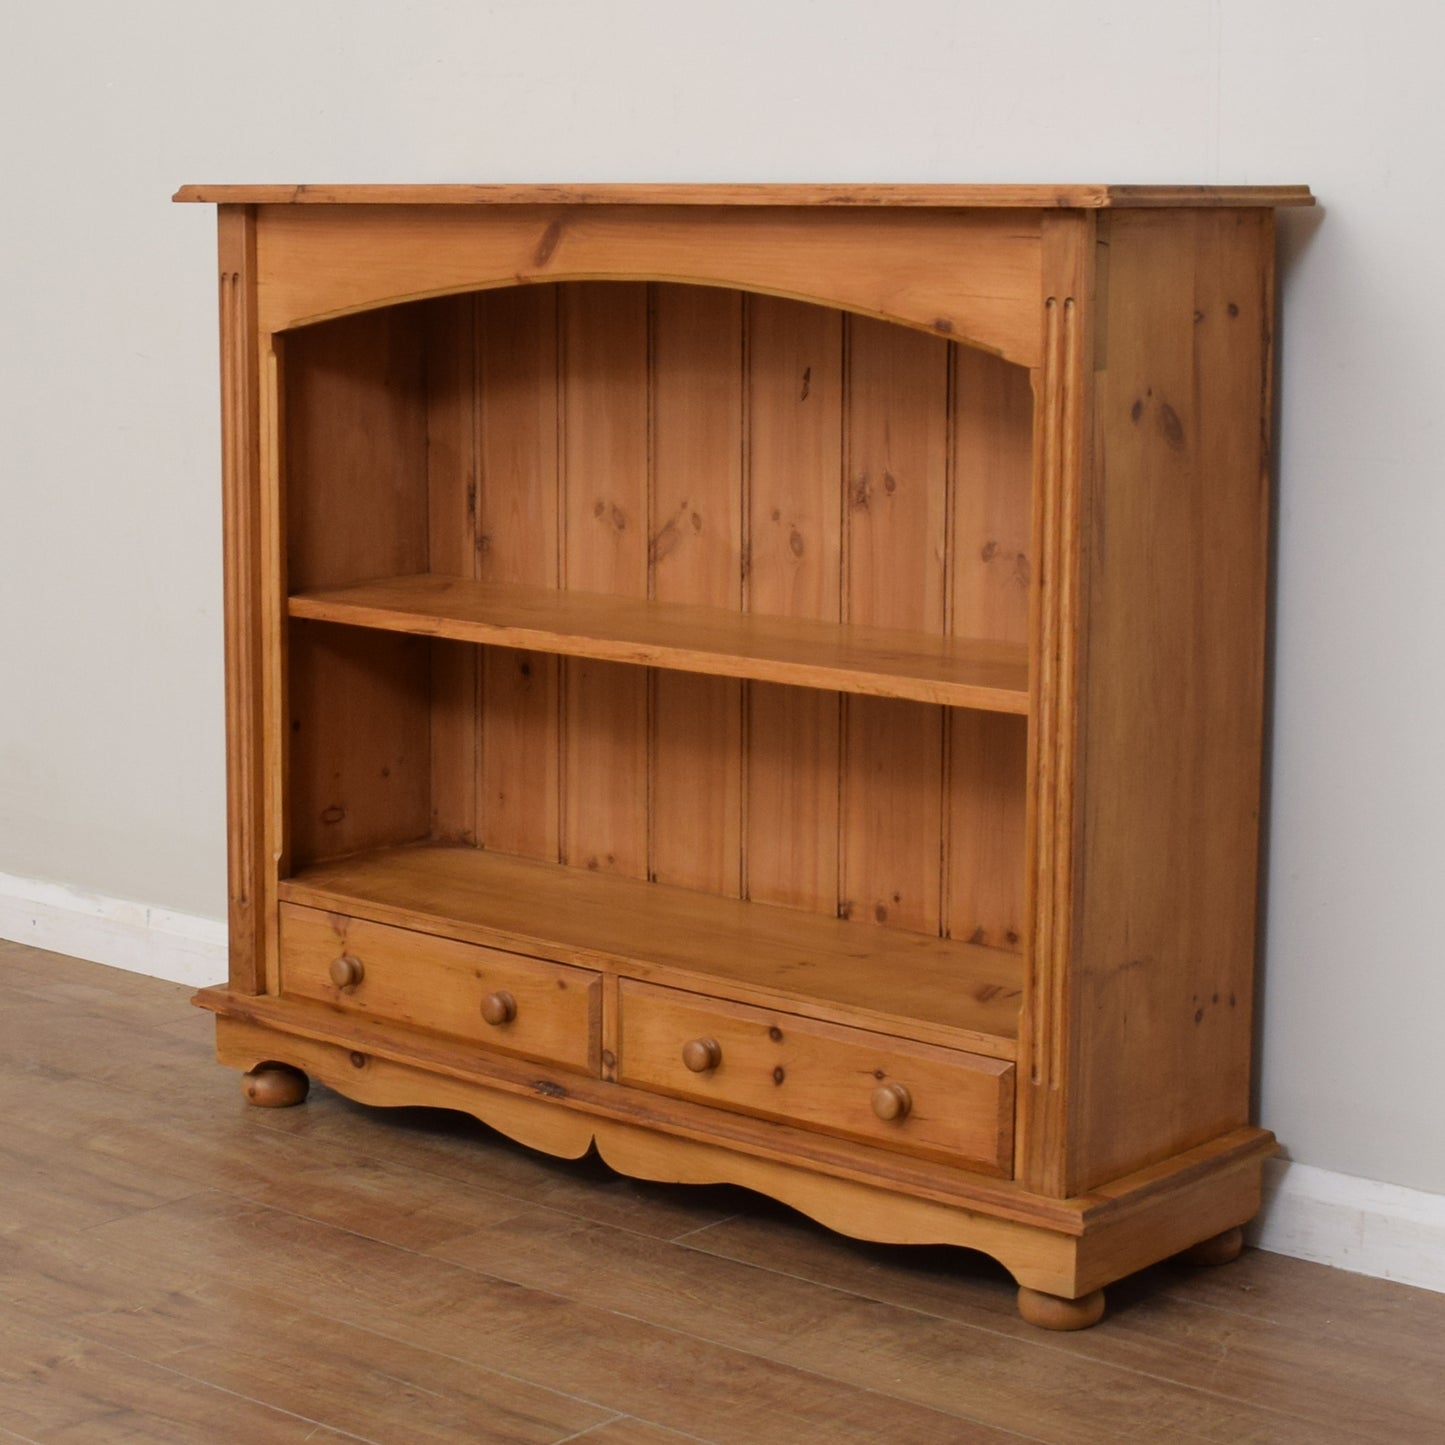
444	986
931	1101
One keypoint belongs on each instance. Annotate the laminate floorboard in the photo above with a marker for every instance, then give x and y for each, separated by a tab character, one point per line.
177	1266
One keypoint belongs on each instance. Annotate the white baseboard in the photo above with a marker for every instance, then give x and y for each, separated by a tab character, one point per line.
1361	1225
179	947
1353	1224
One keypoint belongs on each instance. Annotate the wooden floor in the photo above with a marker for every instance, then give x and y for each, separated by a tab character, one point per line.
177	1266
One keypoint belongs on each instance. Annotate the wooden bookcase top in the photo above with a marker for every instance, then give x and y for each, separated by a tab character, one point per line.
1049	197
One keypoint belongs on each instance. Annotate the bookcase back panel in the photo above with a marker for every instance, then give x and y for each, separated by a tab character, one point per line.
693	445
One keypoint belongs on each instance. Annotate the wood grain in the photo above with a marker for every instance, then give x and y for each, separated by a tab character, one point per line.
356	451
892	786
985	872
440	985
990	544
988	592
360	740
947	991
755	195
246	750
356	490
878	660
206	1318
1058	611
1027	442
449	367
909	266
605	490
1065	1248
779	1066
847	1185
695	553
795	536
1169	773
519	539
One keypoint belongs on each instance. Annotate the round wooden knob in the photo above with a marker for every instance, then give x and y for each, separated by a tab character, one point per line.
499	1007
346	971
891	1101
700	1055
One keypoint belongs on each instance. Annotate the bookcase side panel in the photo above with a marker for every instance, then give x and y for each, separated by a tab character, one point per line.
1175	554
241	481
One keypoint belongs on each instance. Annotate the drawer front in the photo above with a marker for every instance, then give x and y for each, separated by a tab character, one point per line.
930	1101
504	1001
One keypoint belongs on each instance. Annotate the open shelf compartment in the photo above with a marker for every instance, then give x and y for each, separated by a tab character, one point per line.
657	504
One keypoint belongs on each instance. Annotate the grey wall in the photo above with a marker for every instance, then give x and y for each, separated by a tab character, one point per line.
110	669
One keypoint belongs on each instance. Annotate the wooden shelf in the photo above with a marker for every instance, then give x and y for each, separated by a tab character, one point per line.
958	672
909	984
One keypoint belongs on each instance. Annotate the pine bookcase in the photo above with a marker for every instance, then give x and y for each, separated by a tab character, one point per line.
766	682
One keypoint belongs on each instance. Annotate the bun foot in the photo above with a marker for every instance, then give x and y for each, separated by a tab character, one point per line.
1221	1249
1053	1312
274	1086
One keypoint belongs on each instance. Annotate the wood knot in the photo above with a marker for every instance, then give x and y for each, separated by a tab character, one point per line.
1171	427
666	542
548	244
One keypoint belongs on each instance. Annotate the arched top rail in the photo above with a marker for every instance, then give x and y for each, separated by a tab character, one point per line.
972	276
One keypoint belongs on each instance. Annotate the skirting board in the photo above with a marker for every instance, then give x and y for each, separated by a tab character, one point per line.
1358	1225
1361	1225
178	947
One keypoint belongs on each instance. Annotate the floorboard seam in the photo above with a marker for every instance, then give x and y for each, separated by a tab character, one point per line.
701	1229
600	1425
